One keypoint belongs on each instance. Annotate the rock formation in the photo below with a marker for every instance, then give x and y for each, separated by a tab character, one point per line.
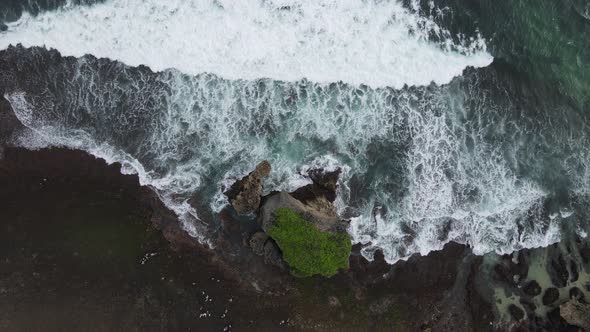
245	194
312	204
576	313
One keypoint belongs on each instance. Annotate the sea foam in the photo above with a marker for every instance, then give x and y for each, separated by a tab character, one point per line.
376	43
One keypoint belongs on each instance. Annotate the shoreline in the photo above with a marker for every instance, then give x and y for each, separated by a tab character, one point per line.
30	178
447	290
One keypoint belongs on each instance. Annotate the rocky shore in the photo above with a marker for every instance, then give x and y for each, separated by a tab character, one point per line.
83	247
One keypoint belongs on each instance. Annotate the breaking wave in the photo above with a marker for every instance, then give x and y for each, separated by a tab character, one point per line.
376	43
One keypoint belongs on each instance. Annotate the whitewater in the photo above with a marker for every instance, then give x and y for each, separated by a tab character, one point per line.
377	43
303	84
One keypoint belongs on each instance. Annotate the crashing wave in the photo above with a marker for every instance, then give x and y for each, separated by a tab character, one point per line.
376	43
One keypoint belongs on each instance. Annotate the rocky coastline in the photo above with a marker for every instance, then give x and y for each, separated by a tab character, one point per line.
451	290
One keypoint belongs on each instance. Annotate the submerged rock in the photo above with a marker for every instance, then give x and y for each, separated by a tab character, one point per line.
245	194
532	288
576	313
576	293
3	27
551	295
516	312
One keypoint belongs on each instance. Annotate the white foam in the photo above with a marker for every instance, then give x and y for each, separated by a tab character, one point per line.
376	43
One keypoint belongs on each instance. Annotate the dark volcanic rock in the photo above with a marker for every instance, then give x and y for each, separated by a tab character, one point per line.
326	180
532	288
557	267
576	313
244	195
550	296
576	293
3	27
516	312
321	193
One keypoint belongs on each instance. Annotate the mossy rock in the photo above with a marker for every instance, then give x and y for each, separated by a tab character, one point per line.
307	250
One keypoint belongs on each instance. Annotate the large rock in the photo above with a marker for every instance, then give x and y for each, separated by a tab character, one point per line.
245	194
324	219
576	313
321	193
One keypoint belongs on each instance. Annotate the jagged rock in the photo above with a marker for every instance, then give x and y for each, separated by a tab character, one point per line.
325	179
257	242
324	220
576	313
551	295
321	193
532	288
244	195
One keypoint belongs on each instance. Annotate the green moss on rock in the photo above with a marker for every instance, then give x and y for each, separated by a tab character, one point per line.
307	250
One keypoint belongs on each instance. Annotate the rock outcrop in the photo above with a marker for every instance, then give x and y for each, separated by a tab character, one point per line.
314	202
576	313
321	193
245	194
323	217
313	218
